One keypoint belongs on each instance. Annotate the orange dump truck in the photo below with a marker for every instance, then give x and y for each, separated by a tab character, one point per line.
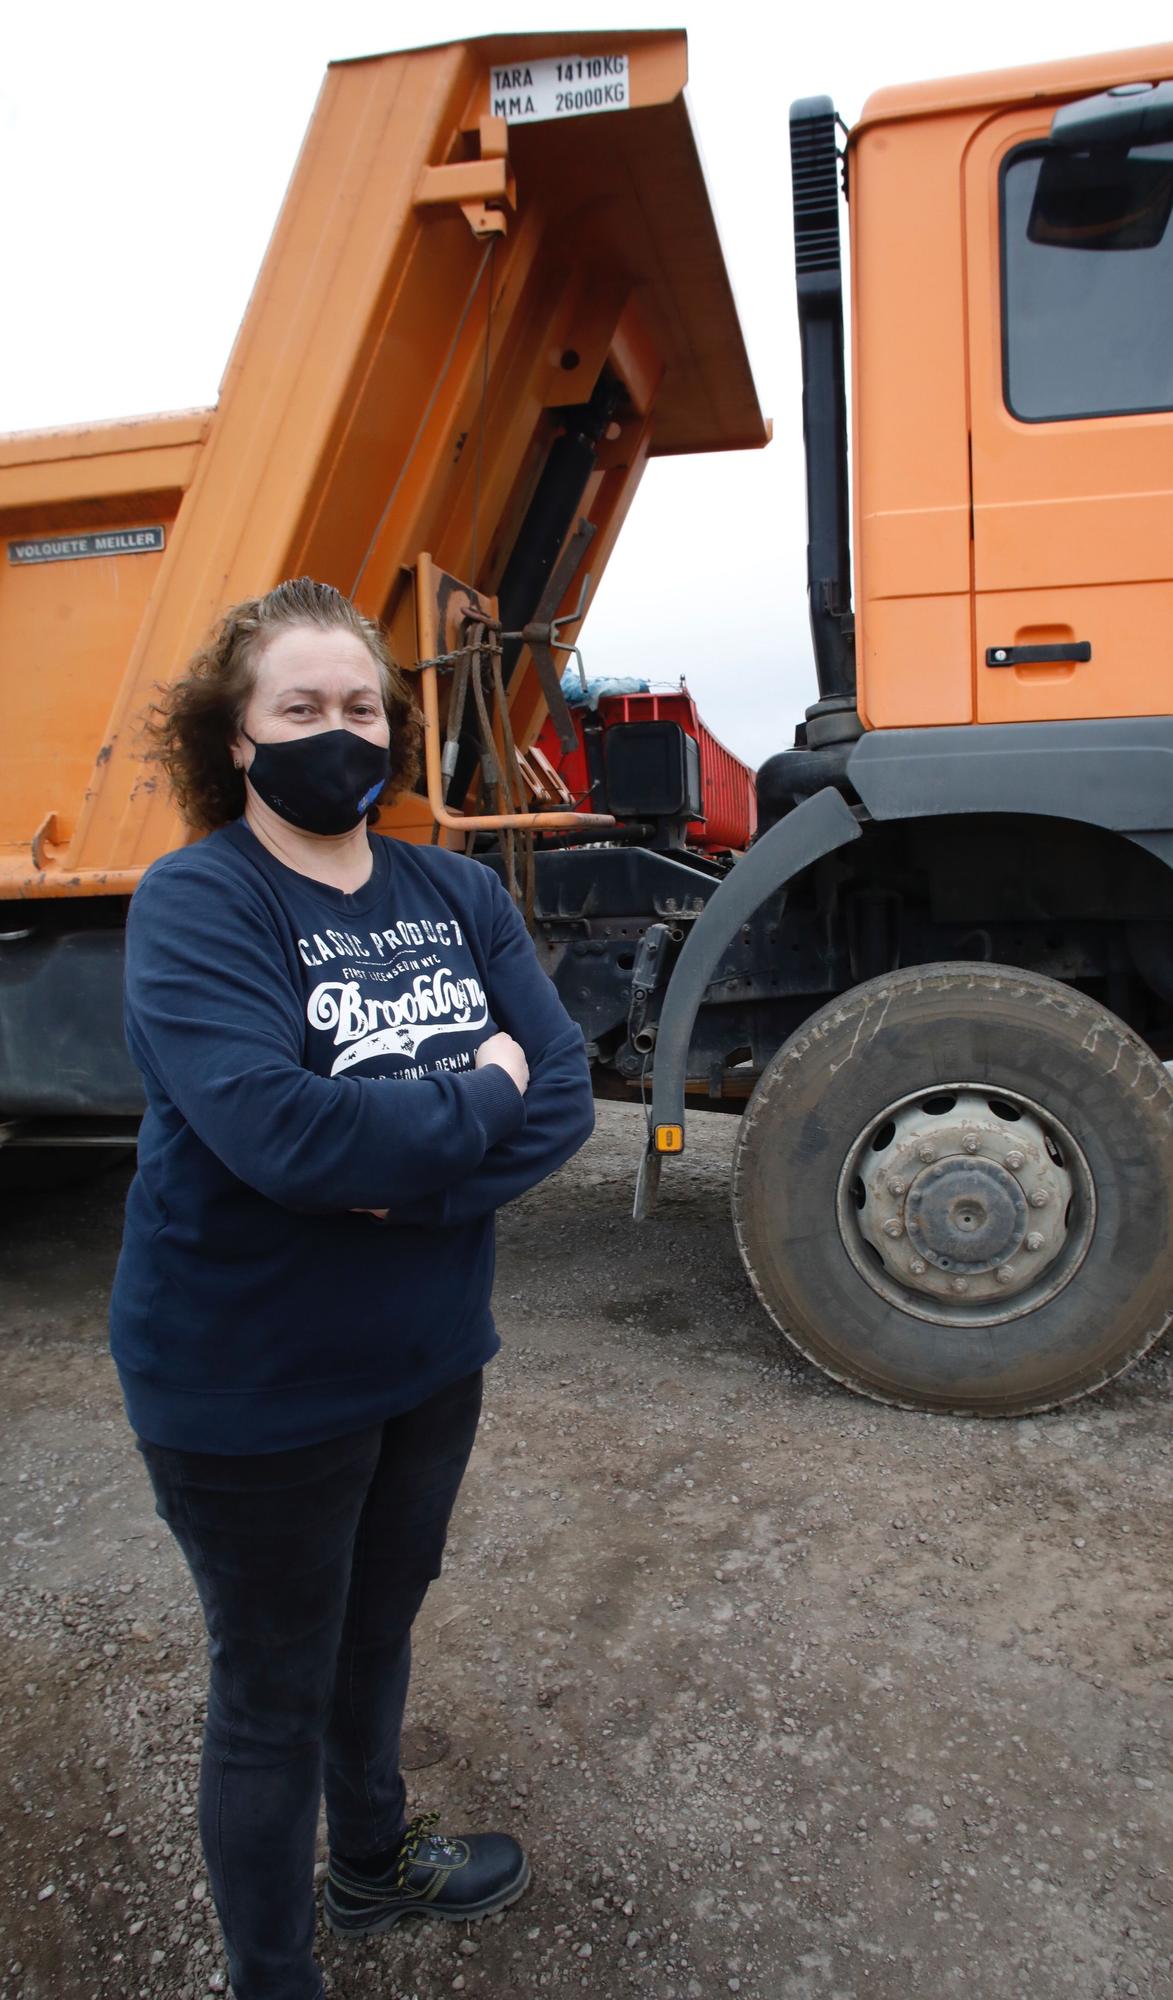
939	983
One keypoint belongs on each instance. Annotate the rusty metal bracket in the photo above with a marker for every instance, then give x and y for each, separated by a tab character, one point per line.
46	835
543	778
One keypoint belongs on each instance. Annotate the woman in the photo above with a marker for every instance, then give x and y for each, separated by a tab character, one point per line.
351	1060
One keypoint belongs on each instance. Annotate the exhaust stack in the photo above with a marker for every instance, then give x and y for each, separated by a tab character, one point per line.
814	165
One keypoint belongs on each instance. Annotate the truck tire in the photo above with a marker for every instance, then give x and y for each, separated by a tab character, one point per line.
953	1191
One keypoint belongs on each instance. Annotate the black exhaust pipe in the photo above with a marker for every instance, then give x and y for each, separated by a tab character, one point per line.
814	166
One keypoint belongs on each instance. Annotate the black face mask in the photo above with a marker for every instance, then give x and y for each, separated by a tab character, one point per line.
322	783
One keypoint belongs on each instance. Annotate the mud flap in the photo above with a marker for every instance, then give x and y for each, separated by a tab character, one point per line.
647	1183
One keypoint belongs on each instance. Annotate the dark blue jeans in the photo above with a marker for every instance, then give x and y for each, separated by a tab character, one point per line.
311	1566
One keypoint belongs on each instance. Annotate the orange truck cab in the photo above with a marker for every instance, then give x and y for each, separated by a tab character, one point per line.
939	982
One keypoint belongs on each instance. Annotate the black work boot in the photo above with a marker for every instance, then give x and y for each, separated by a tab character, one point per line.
461	1877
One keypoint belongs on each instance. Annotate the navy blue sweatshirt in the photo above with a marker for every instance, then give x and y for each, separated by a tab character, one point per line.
306	1053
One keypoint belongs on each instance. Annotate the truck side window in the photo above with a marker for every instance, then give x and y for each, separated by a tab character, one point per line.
1087	282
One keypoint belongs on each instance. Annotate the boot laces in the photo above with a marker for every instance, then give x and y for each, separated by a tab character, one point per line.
419	1830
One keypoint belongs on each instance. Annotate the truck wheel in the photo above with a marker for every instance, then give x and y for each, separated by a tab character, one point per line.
953	1190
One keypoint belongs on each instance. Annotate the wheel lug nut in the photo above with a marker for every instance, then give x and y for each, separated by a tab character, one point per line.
1035	1240
893	1228
896	1187
959	1284
969	1143
917	1267
1015	1159
1039	1198
928	1154
1005	1274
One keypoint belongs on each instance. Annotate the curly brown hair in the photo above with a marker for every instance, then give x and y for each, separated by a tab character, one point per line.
189	728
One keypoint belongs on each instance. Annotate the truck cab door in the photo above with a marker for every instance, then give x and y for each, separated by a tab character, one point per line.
1070	273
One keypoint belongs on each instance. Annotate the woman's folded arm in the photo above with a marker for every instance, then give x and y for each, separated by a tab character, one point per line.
212	1016
559	1107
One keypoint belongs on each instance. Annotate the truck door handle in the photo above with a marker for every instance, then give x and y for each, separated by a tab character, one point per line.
1036	656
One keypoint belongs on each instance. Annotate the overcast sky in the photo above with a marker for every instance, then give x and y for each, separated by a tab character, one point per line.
145	150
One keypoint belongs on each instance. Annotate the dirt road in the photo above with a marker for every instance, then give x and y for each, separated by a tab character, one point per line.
790	1696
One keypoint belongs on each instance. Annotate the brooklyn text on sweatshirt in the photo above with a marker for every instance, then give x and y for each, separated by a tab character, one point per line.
307	1053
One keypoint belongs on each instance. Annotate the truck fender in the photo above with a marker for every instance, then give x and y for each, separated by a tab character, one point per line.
815	828
1113	772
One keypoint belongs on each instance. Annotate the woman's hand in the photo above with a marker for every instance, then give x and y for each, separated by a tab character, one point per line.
508	1055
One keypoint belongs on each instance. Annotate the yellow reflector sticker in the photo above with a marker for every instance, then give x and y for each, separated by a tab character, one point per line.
668	1138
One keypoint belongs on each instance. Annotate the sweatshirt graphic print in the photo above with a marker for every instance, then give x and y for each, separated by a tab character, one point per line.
401	995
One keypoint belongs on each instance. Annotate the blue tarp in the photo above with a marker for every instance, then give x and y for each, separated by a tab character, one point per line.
594	691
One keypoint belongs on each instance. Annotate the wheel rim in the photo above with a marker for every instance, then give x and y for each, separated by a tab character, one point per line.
966	1205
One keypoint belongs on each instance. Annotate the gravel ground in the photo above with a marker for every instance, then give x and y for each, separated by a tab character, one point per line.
789	1695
